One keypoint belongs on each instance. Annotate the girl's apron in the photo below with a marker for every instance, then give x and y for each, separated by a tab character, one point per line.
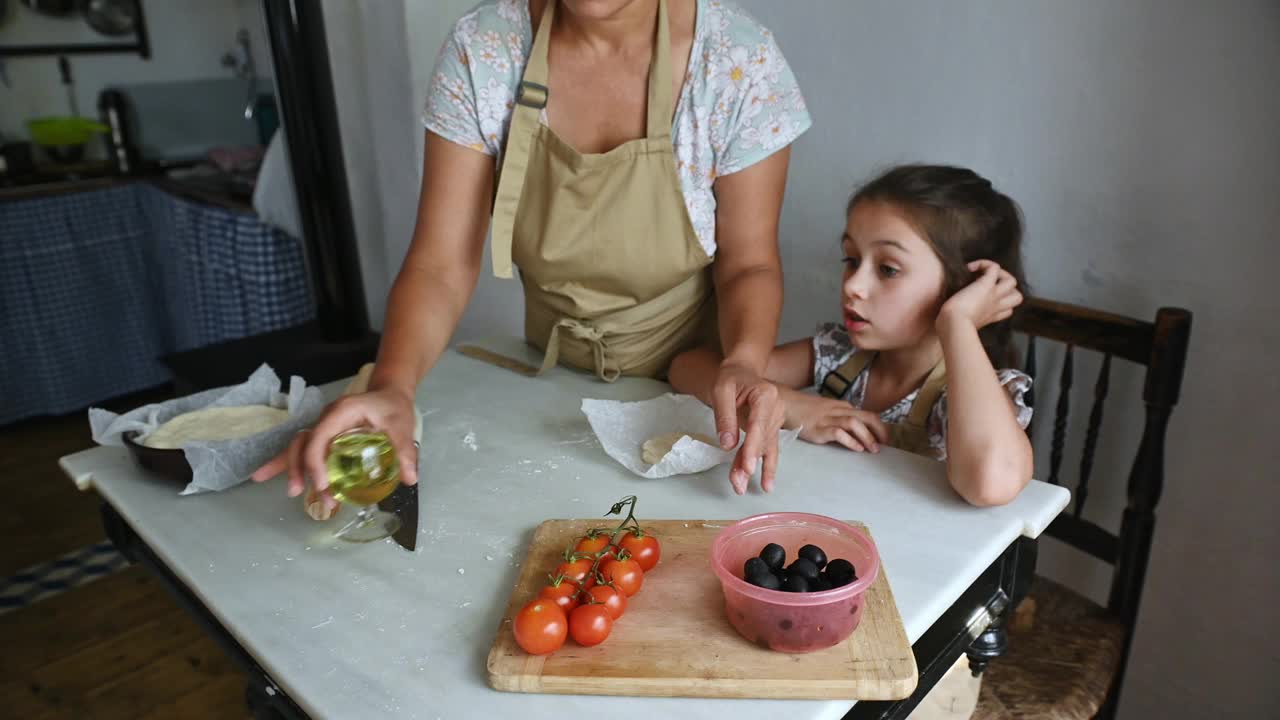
912	434
615	280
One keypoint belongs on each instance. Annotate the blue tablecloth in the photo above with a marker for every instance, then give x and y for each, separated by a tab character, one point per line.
96	286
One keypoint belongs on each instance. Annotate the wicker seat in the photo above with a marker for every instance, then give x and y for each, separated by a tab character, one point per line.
1060	661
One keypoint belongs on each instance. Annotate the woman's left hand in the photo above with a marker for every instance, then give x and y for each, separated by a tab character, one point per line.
743	398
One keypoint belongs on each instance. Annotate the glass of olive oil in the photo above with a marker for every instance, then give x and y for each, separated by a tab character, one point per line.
363	470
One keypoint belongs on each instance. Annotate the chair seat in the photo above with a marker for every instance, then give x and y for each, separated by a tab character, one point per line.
1058	668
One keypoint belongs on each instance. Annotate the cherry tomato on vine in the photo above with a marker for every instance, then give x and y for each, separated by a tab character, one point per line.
643	547
593	542
575	570
561	591
540	627
590	624
612	598
624	572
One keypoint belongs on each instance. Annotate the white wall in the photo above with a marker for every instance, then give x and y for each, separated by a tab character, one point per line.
382	55
1143	141
188	39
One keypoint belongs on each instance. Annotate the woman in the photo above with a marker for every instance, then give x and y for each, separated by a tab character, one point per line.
632	155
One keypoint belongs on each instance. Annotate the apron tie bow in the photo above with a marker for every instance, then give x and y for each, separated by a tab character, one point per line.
606	370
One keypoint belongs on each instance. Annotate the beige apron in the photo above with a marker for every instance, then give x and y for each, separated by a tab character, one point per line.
912	434
614	278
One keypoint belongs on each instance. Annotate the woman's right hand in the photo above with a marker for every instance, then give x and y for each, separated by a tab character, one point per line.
823	420
386	409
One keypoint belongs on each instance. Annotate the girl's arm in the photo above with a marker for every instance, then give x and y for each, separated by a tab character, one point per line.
790	367
989	457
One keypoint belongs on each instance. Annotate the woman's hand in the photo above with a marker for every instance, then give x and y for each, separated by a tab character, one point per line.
742	398
989	298
823	420
388	410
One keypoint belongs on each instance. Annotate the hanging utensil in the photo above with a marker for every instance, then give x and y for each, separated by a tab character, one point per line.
112	18
64	67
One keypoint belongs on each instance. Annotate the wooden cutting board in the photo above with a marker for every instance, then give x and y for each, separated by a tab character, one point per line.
675	641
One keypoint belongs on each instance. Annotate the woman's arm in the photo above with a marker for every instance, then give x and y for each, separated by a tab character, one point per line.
433	287
789	365
748	278
821	420
442	266
989	457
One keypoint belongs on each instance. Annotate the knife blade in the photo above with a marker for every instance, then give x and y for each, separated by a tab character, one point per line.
403	503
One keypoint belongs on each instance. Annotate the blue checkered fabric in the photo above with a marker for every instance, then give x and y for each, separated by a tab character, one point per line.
96	286
69	571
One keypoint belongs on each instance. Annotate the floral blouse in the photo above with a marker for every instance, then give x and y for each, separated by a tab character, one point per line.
738	105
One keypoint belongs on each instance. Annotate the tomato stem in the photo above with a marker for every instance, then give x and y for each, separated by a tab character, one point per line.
630	502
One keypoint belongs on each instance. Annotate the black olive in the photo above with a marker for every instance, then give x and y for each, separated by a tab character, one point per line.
754	566
814	554
804	568
766	580
796	583
822	583
840	572
774	556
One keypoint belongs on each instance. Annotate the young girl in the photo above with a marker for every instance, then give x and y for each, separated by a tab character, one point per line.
932	267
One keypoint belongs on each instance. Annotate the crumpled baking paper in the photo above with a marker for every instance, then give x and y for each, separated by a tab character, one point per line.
623	427
223	464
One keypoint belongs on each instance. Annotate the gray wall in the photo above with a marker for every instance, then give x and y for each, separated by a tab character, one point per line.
1142	140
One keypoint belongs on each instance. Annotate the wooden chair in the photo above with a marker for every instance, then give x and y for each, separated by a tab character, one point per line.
1066	655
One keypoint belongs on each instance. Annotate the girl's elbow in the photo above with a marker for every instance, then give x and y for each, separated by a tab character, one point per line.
994	481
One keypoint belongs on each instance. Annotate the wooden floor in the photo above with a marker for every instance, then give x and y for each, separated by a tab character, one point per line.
118	647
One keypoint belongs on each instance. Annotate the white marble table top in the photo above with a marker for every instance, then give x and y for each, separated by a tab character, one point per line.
375	631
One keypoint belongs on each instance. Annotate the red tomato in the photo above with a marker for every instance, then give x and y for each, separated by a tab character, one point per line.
590	624
575	570
591	543
623	572
540	627
562	592
644	548
613	599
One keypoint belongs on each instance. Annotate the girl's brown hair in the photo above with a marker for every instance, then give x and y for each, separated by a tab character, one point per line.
964	219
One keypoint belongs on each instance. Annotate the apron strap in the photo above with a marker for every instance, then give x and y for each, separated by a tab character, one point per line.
659	103
838	381
912	433
929	393
531	98
605	368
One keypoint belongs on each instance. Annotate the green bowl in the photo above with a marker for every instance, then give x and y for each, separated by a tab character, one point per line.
63	131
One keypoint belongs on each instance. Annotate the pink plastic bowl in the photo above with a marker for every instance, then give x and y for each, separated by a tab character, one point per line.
793	622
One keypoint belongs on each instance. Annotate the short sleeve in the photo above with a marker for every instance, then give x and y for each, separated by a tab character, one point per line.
831	348
472	91
1015	382
451	110
760	108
